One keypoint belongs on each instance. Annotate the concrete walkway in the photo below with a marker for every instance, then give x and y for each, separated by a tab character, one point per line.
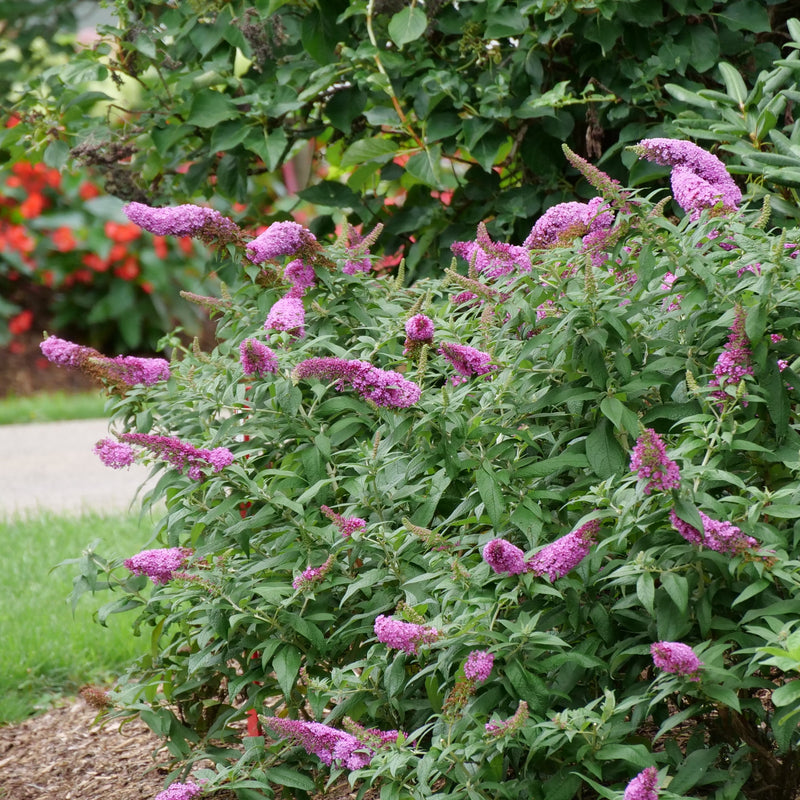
50	466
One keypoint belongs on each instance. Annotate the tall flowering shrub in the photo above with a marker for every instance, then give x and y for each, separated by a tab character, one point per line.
568	573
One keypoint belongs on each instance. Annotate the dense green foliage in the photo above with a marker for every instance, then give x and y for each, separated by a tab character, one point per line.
463	102
588	351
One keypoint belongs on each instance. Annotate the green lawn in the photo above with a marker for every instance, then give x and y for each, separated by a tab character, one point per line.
46	651
51	406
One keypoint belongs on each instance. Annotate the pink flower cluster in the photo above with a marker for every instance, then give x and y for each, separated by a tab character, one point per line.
699	179
312	575
121	371
181	455
493	259
179	791
724	537
347	525
466	361
300	274
562	223
280	239
650	462
329	744
385	388
405	636
114	454
256	358
419	328
186	220
562	556
287	314
735	361
644	786
478	666
159	565
677	658
554	560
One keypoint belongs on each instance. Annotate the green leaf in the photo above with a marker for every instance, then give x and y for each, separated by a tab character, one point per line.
733	83
722	695
552	466
687	511
426	166
56	154
677	587
756	322
646	591
787	694
407	25
692	770
746	15
623	418
394	679
228	134
378	149
209	108
286	664
605	455
636	754
331	193
284	776
751	591
490	493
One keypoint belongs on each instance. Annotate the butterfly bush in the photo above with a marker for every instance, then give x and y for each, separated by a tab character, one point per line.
180	791
185	220
346	547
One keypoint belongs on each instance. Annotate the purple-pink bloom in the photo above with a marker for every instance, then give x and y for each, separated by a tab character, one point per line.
419	328
300	274
504	557
478	666
385	388
467	361
65	353
114	454
179	791
256	358
699	179
724	537
562	556
650	463
563	222
676	657
312	575
186	220
347	525
280	239
181	455
287	314
493	259
644	786
329	744
735	360
160	564
405	636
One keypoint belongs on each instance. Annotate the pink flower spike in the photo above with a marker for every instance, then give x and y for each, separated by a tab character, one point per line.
186	220
256	358
650	462
347	525
179	791
644	786
160	564
405	636
504	557
287	314
281	239
467	361
562	556
724	537
677	658
114	454
478	666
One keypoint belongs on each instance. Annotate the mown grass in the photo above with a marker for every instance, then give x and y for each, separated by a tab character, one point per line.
46	651
51	406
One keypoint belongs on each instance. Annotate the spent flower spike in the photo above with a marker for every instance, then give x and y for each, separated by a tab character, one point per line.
650	463
312	575
511	725
504	557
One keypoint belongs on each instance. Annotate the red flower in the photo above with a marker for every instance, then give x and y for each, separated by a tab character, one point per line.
32	205
88	191
122	232
128	270
160	246
21	322
63	240
93	261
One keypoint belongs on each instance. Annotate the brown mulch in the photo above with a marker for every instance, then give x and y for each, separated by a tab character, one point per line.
63	755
